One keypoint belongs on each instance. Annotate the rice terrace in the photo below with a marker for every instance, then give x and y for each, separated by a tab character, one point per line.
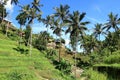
59	40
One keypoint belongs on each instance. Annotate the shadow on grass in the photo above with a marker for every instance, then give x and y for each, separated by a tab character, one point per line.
21	50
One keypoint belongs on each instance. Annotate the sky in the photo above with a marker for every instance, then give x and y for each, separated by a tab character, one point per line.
96	11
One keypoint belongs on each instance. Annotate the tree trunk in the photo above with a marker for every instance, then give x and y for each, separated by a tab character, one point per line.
20	34
31	42
75	65
6	29
60	49
31	39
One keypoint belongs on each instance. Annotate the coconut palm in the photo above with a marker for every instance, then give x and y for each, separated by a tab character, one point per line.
21	20
76	28
62	11
32	14
97	30
57	29
113	22
58	22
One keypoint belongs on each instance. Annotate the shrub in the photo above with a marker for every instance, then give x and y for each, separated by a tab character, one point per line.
112	59
94	75
64	66
51	53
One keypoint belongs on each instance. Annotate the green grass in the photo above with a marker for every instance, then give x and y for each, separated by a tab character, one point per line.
94	75
15	65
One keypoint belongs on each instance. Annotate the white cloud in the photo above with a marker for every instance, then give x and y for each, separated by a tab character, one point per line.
9	7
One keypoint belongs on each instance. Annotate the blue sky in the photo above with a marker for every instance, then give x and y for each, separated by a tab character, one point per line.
96	10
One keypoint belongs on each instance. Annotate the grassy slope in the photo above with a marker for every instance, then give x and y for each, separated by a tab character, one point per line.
36	67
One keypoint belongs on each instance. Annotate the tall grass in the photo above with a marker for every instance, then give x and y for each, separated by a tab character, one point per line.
94	75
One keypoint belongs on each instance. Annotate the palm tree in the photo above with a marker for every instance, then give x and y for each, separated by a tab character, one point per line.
32	13
112	22
97	30
76	28
58	22
57	29
48	21
62	12
21	20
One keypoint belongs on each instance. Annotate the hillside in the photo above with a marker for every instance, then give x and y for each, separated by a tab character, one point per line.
16	65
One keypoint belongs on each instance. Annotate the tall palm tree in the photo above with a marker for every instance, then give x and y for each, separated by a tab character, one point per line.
21	20
48	22
113	22
76	28
97	32
59	16
32	14
57	29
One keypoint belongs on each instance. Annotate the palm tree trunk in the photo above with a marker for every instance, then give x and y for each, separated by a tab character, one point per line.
75	65
31	43
60	49
20	34
6	29
31	39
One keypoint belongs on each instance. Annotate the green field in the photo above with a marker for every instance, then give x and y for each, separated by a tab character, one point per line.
17	66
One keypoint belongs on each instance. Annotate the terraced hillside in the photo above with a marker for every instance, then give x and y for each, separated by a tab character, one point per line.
17	64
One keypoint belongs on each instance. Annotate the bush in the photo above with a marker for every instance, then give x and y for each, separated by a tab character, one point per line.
64	66
51	53
112	59
94	75
84	61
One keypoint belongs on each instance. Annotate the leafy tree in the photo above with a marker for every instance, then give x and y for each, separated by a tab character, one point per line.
89	44
40	42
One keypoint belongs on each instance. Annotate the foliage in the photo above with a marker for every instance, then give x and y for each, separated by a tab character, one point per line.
41	41
114	58
64	66
84	61
51	53
94	75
